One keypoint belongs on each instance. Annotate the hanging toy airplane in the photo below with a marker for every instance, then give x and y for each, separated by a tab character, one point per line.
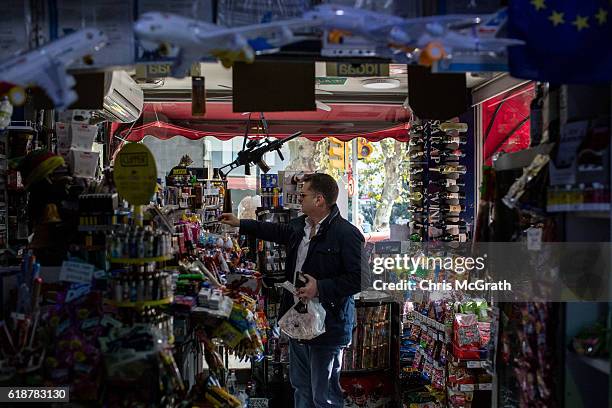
421	39
46	67
197	40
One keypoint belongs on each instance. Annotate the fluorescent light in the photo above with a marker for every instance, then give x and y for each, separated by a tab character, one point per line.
381	83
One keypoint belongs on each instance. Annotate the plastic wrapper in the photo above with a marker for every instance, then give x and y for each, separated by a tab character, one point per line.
466	331
304	321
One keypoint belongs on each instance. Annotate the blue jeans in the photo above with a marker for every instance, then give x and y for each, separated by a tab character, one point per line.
315	375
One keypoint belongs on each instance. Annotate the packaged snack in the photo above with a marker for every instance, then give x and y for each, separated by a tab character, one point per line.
466	331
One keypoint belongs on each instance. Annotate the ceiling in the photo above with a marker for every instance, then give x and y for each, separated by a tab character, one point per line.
356	111
219	82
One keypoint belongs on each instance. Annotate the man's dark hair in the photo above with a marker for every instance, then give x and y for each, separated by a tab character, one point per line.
323	184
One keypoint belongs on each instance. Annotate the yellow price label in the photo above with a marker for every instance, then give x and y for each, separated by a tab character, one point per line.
135	173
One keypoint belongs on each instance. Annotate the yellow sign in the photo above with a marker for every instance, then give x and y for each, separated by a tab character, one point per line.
135	173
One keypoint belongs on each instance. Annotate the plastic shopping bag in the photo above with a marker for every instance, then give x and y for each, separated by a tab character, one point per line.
304	321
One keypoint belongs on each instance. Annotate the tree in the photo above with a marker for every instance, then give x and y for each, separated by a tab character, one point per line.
385	179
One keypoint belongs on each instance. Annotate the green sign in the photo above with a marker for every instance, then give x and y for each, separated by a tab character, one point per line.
330	80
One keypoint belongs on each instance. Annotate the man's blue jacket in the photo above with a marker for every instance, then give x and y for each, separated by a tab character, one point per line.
335	259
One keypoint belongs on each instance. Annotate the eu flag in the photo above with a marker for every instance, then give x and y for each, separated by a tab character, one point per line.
566	41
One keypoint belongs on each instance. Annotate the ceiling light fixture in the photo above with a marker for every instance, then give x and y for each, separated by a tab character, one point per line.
380	83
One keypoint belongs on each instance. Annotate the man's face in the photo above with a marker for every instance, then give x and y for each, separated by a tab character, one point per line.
309	199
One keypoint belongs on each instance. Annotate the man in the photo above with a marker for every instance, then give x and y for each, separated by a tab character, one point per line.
328	250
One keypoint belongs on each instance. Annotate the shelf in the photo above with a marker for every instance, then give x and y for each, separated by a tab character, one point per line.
589	214
142	304
472	387
470	363
598	363
138	261
429	321
522	158
95	228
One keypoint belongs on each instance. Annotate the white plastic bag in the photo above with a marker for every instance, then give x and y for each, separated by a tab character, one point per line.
304	321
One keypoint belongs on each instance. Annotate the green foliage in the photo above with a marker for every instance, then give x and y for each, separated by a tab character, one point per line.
373	175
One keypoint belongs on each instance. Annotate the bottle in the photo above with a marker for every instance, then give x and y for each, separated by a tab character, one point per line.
231	383
416	237
452	196
444	182
6	111
416	196
451	208
416	170
449	169
417	155
457	126
415	183
448	139
448	238
451	154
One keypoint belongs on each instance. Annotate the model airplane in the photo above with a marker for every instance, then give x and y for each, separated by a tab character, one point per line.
197	39
425	39
46	66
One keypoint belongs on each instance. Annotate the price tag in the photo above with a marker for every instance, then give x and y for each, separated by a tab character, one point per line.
485	387
135	173
76	272
258	402
534	239
466	387
474	364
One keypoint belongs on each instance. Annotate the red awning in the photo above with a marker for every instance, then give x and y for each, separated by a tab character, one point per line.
505	119
344	121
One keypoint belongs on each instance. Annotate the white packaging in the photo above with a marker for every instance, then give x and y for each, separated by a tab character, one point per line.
84	163
62	130
82	136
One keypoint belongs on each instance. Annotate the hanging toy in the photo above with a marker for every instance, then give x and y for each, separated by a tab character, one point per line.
229	245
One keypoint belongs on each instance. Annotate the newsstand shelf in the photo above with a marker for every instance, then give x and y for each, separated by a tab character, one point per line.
146	303
429	321
472	387
138	261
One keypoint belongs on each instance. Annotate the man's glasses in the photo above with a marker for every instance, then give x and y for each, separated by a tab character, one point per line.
302	195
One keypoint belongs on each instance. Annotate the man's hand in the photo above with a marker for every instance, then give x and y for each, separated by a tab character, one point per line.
310	290
229	219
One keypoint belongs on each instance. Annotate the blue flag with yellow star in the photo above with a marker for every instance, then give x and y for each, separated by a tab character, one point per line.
566	41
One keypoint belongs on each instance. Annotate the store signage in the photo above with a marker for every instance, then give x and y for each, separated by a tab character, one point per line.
345	69
178	171
330	80
77	272
388	247
135	174
153	70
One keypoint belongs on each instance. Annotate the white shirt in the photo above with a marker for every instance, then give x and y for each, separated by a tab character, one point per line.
303	247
